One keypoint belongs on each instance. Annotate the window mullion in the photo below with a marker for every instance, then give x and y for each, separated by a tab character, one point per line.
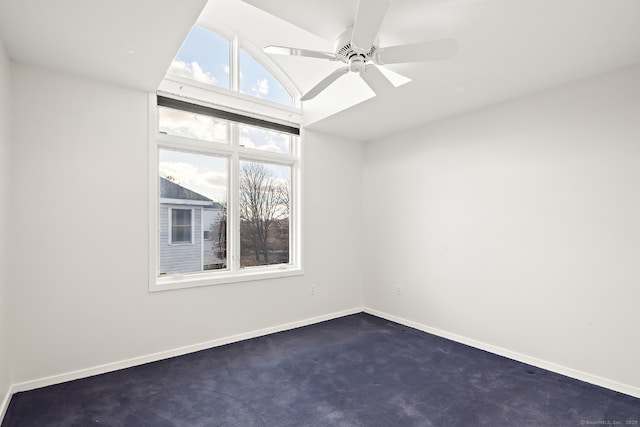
193	146
266	156
234	72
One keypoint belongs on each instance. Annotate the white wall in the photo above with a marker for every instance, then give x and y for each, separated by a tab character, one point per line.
514	226
517	226
5	96
81	238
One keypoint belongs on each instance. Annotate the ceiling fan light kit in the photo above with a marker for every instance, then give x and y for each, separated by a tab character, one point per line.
356	58
358	47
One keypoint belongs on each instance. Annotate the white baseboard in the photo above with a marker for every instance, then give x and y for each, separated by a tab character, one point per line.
5	403
549	366
110	367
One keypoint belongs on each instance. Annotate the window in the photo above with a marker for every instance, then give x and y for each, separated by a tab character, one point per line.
181	220
264	213
226	168
192	191
255	80
191	125
207	58
204	57
264	139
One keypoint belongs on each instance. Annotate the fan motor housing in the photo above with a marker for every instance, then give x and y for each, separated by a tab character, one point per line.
346	53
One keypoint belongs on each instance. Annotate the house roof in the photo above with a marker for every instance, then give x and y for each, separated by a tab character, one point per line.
171	190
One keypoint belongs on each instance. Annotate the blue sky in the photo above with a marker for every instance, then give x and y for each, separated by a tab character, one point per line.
257	81
210	51
205	56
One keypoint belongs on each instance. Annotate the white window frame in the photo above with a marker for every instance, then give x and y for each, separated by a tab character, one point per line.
250	106
170	223
233	101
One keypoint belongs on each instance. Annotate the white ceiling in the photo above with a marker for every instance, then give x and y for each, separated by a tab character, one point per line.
507	48
129	42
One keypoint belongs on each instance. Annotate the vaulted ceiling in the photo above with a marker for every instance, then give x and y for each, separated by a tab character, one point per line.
507	48
129	42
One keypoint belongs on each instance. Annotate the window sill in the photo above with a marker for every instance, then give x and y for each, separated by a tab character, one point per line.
193	280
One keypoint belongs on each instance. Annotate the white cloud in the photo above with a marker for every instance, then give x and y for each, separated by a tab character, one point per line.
261	88
191	71
181	123
215	179
264	140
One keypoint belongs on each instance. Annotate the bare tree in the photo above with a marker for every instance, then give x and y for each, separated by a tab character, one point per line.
264	203
221	238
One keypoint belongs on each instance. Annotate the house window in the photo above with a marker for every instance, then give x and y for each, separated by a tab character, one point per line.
181	230
226	173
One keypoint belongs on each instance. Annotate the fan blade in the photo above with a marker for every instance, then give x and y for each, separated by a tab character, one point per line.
369	18
292	51
324	83
377	81
426	51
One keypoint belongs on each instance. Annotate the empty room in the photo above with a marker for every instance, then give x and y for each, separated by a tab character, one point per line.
319	213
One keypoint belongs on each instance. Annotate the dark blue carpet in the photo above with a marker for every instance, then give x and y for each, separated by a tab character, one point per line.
358	370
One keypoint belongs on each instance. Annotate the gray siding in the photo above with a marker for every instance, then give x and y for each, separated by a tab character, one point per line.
180	258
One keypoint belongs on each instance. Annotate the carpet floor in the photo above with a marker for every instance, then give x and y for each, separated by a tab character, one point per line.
357	370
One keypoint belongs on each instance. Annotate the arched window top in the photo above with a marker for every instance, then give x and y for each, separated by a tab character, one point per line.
204	57
212	59
256	80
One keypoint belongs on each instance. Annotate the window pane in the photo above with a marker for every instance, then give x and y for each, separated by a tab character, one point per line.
181	225
204	57
255	80
181	217
192	125
265	139
264	213
193	187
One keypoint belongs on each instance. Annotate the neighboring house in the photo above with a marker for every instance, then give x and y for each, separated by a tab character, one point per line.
189	230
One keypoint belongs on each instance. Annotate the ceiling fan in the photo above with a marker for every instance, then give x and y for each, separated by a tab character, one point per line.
358	47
